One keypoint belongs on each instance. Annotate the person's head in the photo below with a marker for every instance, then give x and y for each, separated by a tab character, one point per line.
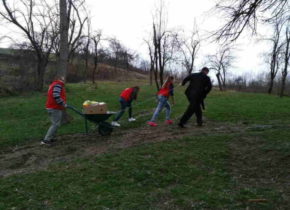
61	78
205	70
137	88
170	79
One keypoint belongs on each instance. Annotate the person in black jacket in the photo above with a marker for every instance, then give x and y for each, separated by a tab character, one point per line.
199	86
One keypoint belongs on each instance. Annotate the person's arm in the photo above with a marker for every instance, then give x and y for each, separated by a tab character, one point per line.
173	100
134	94
186	79
208	87
57	95
202	105
171	93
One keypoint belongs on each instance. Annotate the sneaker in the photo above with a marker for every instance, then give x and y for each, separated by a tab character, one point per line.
115	123
45	142
53	140
169	122
131	119
152	124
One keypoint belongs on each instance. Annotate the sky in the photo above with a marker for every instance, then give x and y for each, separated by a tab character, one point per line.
130	21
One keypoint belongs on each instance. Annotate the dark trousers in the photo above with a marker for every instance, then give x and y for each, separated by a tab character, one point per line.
194	107
124	104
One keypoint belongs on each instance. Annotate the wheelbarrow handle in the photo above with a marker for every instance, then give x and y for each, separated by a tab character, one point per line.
75	110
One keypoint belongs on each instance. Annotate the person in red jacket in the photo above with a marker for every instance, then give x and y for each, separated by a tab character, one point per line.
126	98
164	93
55	105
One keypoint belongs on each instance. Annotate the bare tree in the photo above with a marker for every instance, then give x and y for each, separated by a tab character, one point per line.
96	39
189	49
121	56
126	57
242	14
115	48
152	67
63	52
275	54
144	65
152	57
38	22
221	62
164	44
77	18
86	49
165	48
286	55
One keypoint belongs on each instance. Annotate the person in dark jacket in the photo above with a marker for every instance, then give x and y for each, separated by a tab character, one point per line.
126	98
199	86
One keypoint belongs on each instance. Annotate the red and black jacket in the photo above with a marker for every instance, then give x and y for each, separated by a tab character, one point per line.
129	94
167	90
56	96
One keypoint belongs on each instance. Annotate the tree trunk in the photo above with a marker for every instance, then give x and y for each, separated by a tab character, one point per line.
161	67
156	78
224	80
94	70
156	68
271	86
40	75
156	81
224	84
63	57
286	63
161	77
86	68
283	85
191	64
190	71
284	75
151	76
219	81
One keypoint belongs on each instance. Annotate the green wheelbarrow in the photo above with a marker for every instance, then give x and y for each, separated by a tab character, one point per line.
104	128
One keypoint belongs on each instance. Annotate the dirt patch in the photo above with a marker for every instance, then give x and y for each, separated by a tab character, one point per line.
252	166
34	157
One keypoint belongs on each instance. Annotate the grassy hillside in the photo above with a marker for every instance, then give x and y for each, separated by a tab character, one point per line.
237	160
13	81
24	118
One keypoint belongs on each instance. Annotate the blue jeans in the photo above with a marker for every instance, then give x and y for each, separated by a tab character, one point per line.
55	116
124	105
162	102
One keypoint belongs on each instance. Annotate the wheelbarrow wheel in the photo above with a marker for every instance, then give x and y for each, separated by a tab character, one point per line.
105	129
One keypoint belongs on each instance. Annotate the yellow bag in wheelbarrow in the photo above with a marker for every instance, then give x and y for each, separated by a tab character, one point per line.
93	107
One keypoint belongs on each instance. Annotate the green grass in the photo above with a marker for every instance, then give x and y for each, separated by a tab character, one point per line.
186	173
24	118
189	173
193	172
248	107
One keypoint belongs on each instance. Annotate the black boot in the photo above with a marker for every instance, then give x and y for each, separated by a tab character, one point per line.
199	123
181	125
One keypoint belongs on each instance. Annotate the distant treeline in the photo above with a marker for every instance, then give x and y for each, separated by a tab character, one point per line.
18	69
259	84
